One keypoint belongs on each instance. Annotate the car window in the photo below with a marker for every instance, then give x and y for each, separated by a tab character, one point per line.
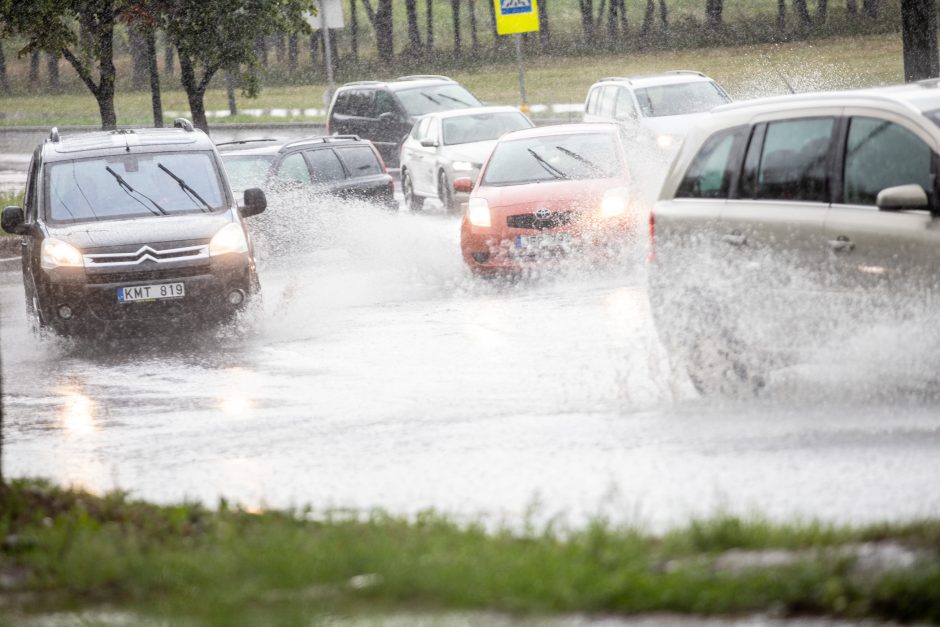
480	127
29	197
420	129
625	109
794	160
608	101
710	173
591	106
433	132
880	154
360	103
430	98
384	103
246	171
325	165
680	99
92	189
360	160
294	169
554	157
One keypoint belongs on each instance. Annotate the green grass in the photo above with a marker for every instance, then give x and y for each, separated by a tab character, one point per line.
8	199
75	551
746	71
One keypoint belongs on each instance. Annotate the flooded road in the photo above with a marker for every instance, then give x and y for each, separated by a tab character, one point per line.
385	376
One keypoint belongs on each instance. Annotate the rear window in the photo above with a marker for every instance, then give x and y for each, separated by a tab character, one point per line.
556	157
360	160
430	98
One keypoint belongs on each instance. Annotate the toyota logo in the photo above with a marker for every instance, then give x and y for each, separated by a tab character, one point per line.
542	213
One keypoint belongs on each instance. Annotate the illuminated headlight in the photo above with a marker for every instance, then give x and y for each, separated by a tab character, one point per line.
462	166
665	141
57	254
229	239
478	212
615	203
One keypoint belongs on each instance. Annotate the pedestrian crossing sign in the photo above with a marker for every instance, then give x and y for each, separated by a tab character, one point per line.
516	16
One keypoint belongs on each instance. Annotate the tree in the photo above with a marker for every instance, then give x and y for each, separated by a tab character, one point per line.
4	83
871	8
545	31
429	33
50	25
381	19
802	12
354	30
919	37
713	14
414	36
851	7
822	11
210	35
455	14
616	20
781	15
587	20
142	17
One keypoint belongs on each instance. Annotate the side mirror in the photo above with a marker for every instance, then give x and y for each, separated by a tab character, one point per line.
255	203
13	221
428	143
902	197
463	185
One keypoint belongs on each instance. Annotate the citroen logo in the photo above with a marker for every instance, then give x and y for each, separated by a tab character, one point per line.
542	213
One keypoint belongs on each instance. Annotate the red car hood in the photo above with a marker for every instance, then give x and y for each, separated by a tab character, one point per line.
549	192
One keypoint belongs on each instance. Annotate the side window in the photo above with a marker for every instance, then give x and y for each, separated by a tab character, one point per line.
325	165
434	130
342	106
794	160
360	160
420	130
880	154
711	171
608	101
384	103
591	106
625	109
29	197
360	103
294	169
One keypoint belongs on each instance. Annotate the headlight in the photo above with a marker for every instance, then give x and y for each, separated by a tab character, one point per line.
615	203
664	141
56	254
229	239
462	166
478	212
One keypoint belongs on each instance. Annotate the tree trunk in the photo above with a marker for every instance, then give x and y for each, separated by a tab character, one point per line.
194	93
4	82
822	11
34	59
261	47
293	50
587	20
545	28
851	7
802	12
230	90
616	20
646	26
279	48
455	13
496	40
383	26
429	32
713	14
414	36
138	46
155	100
664	18
52	69
919	37
168	66
474	35
781	15
871	8
354	29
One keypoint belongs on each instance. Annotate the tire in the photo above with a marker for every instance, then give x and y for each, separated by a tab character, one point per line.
412	201
445	192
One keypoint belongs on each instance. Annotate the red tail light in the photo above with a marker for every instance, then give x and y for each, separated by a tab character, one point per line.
651	257
384	169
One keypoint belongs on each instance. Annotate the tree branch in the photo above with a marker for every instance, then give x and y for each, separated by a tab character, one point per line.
370	12
81	70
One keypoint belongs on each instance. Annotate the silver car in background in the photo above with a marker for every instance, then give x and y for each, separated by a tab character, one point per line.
448	145
792	228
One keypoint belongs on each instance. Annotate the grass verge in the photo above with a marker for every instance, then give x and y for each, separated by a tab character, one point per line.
69	550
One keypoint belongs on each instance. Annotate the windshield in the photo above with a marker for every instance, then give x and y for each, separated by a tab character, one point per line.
680	99
133	185
482	126
421	100
246	171
558	157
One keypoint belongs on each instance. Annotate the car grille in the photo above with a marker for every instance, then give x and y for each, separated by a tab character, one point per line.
144	254
146	274
531	221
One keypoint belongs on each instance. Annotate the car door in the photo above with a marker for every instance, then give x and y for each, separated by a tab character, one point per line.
431	147
389	127
877	256
417	158
773	229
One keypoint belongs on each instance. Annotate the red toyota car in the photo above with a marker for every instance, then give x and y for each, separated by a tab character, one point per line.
545	194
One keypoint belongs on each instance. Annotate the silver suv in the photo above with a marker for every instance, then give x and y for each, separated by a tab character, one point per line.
661	107
785	222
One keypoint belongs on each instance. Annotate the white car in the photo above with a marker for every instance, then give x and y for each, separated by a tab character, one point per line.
448	145
661	106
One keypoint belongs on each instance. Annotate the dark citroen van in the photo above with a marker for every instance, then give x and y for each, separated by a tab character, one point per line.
133	227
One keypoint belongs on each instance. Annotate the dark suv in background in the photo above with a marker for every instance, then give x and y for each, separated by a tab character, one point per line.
384	112
344	166
130	227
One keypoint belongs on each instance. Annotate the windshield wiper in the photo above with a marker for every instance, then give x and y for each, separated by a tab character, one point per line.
579	158
124	185
457	100
430	97
186	188
558	174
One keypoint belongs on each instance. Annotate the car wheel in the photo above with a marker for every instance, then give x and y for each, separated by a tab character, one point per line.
445	192
412	201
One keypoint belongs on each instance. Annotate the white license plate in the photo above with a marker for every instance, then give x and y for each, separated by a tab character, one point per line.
548	240
150	292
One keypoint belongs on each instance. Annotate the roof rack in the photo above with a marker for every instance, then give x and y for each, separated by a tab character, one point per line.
54	135
696	72
362	83
615	78
184	124
418	77
246	141
323	140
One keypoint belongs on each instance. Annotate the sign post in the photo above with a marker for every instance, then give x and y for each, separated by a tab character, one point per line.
329	15
514	17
